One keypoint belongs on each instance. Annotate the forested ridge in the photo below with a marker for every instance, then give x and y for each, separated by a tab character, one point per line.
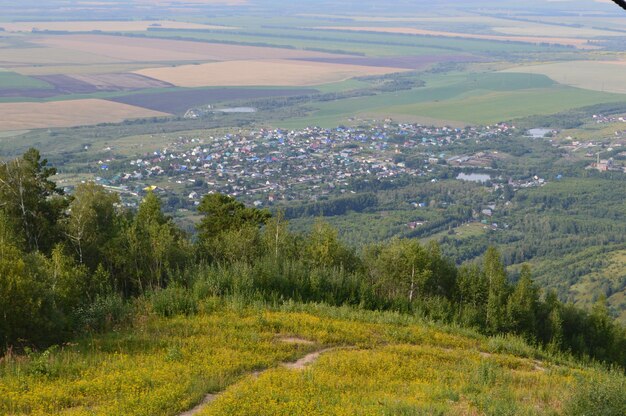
72	263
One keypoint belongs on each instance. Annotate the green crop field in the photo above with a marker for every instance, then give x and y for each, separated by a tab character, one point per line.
12	80
502	106
480	98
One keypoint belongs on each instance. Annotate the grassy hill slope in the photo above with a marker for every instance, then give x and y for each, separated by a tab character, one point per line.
371	363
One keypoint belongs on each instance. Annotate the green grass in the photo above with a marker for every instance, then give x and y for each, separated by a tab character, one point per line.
501	106
480	98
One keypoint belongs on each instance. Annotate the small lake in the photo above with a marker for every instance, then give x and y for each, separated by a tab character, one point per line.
237	110
474	177
538	133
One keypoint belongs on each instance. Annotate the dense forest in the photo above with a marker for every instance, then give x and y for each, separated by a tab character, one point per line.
72	263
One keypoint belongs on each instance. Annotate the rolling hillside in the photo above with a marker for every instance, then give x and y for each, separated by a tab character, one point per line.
298	359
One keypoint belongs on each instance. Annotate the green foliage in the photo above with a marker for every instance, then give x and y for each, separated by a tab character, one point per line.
495	319
602	395
91	223
31	201
522	305
172	301
102	314
102	255
223	213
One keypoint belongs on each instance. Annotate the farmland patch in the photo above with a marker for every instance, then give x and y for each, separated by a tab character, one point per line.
120	82
591	75
103	26
21	116
578	43
177	102
80	69
52	55
406	62
159	50
12	80
265	72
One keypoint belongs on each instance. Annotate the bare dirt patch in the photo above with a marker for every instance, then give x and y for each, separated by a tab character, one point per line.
207	399
132	49
296	340
21	116
578	43
261	73
104	26
306	360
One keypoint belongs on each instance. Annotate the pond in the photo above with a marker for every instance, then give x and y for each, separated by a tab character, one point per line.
474	177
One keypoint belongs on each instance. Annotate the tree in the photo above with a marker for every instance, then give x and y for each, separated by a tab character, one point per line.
31	201
223	212
153	244
323	248
91	223
276	236
405	267
498	291
522	305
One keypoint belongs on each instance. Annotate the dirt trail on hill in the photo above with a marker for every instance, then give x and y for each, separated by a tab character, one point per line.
293	365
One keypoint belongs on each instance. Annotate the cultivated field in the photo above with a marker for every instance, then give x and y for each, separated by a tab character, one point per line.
578	43
80	69
128	49
26	115
178	102
501	25
51	55
266	72
199	2
46	86
407	62
506	105
104	26
114	82
608	76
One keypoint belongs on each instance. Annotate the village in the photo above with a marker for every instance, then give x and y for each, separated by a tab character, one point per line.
265	166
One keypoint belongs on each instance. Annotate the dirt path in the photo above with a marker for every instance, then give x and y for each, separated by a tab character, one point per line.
295	365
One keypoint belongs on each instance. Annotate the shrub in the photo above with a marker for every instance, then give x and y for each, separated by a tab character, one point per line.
601	395
102	314
174	300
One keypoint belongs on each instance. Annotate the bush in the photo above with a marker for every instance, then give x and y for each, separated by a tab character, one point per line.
602	395
174	300
102	314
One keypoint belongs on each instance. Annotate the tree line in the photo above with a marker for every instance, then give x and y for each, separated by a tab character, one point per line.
68	263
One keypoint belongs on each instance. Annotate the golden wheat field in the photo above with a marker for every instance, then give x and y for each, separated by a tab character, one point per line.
261	73
32	115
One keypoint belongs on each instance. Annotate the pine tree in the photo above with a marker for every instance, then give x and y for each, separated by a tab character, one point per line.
522	305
